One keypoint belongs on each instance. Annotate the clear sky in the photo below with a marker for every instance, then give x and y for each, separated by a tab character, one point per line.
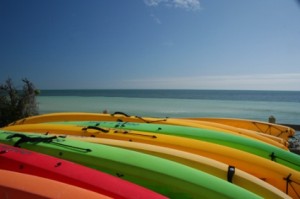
178	44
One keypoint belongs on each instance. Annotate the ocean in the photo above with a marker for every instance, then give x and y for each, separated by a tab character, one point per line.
256	105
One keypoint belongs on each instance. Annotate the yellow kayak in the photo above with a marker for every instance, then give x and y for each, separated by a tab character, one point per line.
76	116
247	132
281	177
277	130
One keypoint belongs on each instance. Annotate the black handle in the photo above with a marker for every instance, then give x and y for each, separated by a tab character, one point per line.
95	128
120	113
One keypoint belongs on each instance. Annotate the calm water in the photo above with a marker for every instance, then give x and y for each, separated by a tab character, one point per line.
276	96
258	105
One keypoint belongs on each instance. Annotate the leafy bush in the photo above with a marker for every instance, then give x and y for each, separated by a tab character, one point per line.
17	104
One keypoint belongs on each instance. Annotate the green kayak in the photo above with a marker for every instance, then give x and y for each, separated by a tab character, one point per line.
169	178
256	147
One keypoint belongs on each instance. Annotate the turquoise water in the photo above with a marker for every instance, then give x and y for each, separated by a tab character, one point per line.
257	105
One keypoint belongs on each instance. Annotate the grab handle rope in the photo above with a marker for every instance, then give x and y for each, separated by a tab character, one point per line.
25	138
95	128
289	182
144	120
147	121
120	113
136	134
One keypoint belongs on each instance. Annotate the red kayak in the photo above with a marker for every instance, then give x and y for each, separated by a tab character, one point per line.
29	162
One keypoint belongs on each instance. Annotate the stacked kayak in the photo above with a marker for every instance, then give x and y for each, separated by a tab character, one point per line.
167	177
262	168
121	117
156	157
263	127
33	163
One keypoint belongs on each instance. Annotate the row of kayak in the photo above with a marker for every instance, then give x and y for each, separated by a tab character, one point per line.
122	156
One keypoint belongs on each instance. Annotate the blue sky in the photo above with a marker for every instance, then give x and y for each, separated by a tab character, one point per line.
177	44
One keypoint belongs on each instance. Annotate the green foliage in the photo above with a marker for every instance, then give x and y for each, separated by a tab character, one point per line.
17	104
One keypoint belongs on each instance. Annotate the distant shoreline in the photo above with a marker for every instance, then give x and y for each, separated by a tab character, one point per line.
164	89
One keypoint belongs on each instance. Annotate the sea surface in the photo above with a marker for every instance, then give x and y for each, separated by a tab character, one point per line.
256	105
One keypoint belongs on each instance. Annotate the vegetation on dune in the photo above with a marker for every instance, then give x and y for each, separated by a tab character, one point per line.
17	104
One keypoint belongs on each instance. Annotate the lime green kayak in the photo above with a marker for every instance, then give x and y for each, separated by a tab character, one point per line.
169	178
256	147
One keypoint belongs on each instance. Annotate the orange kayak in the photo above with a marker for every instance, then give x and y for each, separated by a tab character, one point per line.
18	185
